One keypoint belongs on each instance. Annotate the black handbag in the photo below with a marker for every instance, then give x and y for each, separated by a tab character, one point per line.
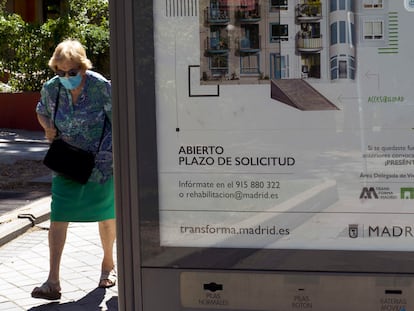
69	161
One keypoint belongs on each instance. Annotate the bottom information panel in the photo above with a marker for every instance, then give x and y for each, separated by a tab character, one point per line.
269	291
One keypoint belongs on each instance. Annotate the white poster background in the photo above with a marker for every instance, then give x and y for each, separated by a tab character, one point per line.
339	193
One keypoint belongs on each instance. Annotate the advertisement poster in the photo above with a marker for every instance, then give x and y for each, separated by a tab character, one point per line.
285	124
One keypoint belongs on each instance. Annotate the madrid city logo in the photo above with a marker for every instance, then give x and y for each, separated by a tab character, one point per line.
353	231
368	193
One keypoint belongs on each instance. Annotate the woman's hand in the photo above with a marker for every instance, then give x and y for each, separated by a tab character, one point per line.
50	133
48	126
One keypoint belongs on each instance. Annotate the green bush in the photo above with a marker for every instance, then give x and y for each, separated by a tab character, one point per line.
26	48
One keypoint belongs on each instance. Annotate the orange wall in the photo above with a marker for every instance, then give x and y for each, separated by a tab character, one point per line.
17	111
26	9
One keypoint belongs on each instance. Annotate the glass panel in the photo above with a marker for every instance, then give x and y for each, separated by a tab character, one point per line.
250	64
334	33
279	32
342	69
342	32
368	30
333	5
285	66
252	168
353	34
373	30
275	66
279	4
377	30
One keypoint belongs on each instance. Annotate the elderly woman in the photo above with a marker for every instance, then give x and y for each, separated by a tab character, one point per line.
83	119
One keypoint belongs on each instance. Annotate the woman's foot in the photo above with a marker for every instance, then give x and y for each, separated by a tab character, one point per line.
48	290
108	279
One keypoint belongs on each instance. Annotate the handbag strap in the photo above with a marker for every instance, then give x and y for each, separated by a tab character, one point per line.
56	107
57	129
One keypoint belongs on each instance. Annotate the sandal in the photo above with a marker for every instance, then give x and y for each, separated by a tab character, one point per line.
108	279
48	291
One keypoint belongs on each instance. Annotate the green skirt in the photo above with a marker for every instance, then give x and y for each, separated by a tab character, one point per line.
73	202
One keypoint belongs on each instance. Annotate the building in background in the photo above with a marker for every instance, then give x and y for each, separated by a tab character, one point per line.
37	11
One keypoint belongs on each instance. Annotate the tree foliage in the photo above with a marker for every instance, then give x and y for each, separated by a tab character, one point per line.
25	48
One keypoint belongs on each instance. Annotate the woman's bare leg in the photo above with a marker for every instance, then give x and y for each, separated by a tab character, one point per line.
57	239
107	232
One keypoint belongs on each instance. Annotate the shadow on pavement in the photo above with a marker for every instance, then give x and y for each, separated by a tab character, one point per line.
94	301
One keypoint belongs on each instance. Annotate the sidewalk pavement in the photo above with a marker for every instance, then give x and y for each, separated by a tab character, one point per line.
24	260
21	144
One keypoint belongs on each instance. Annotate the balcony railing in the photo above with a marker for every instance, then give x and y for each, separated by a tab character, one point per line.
219	72
309	11
248	15
309	44
217	45
249	45
217	15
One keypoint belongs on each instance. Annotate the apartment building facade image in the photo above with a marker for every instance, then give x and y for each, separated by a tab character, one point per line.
254	41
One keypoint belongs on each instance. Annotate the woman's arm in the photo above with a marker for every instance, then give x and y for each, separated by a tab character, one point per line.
48	126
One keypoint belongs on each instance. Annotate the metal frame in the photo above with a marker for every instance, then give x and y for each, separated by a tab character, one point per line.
135	162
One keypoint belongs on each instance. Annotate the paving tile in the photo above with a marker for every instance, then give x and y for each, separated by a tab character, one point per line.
5	286
10	306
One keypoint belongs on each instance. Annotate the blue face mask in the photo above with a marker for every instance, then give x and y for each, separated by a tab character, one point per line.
71	83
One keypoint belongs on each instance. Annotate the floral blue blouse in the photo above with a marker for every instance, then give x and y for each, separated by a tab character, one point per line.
82	124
